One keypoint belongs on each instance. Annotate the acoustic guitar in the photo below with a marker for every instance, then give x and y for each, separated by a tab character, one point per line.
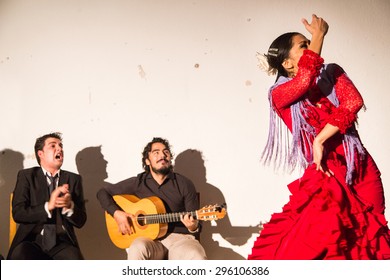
151	219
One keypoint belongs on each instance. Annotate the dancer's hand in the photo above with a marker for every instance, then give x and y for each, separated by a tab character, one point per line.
317	26
318	154
318	29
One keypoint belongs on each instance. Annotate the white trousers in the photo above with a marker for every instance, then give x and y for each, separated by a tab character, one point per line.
175	246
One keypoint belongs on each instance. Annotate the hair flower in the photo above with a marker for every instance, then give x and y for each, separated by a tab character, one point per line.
264	65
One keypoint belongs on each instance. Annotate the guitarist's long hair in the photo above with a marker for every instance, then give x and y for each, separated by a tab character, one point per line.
148	149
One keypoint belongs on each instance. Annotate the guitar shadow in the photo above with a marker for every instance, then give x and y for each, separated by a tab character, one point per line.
10	164
190	163
93	237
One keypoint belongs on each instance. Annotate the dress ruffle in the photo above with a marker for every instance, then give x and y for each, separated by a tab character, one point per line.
323	219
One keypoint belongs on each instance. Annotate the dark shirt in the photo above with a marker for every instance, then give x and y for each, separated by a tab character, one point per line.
177	192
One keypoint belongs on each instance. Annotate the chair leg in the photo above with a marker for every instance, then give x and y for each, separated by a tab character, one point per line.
12	224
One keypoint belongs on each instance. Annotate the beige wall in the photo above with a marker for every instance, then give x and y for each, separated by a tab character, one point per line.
113	74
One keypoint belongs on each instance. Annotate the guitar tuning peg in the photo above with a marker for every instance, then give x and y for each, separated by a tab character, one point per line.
219	208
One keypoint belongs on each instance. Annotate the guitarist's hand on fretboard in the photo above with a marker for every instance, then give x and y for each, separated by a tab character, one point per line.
124	221
189	221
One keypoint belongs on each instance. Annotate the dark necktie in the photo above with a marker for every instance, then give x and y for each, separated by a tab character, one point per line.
49	230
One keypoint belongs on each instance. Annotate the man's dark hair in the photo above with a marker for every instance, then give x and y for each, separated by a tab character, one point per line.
40	143
148	149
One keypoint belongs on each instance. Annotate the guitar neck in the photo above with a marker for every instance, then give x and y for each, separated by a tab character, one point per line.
163	218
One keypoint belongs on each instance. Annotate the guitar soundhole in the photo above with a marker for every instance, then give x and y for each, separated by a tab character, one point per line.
141	220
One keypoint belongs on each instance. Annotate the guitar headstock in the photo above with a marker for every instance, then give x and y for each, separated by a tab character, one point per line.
212	212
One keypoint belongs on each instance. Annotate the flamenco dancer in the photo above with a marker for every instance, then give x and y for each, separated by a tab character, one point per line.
336	209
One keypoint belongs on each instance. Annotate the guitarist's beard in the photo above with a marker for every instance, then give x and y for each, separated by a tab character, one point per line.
163	170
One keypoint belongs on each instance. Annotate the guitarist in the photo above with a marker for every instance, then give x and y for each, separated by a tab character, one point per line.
178	194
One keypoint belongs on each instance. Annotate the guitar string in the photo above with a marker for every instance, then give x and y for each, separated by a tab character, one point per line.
163	217
172	217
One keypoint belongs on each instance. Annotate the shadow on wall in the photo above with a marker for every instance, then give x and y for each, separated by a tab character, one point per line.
93	237
10	164
190	163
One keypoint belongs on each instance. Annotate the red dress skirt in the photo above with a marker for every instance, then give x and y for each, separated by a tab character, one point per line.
327	219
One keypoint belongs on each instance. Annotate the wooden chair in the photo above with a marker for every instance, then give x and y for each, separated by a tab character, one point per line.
12	223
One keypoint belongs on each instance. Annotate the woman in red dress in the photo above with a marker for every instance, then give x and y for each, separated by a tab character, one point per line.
336	209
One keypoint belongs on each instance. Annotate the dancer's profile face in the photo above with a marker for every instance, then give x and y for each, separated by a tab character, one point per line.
299	44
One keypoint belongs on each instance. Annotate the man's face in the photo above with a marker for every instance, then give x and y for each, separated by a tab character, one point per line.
52	154
159	159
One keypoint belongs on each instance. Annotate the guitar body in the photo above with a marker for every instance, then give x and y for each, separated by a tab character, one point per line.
150	218
137	207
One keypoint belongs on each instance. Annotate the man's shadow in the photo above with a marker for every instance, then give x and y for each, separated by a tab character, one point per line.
190	163
10	164
93	237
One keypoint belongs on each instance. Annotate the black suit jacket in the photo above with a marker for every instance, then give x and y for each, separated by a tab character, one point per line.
30	195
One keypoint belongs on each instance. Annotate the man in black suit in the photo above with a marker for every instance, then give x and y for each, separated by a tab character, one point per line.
47	203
